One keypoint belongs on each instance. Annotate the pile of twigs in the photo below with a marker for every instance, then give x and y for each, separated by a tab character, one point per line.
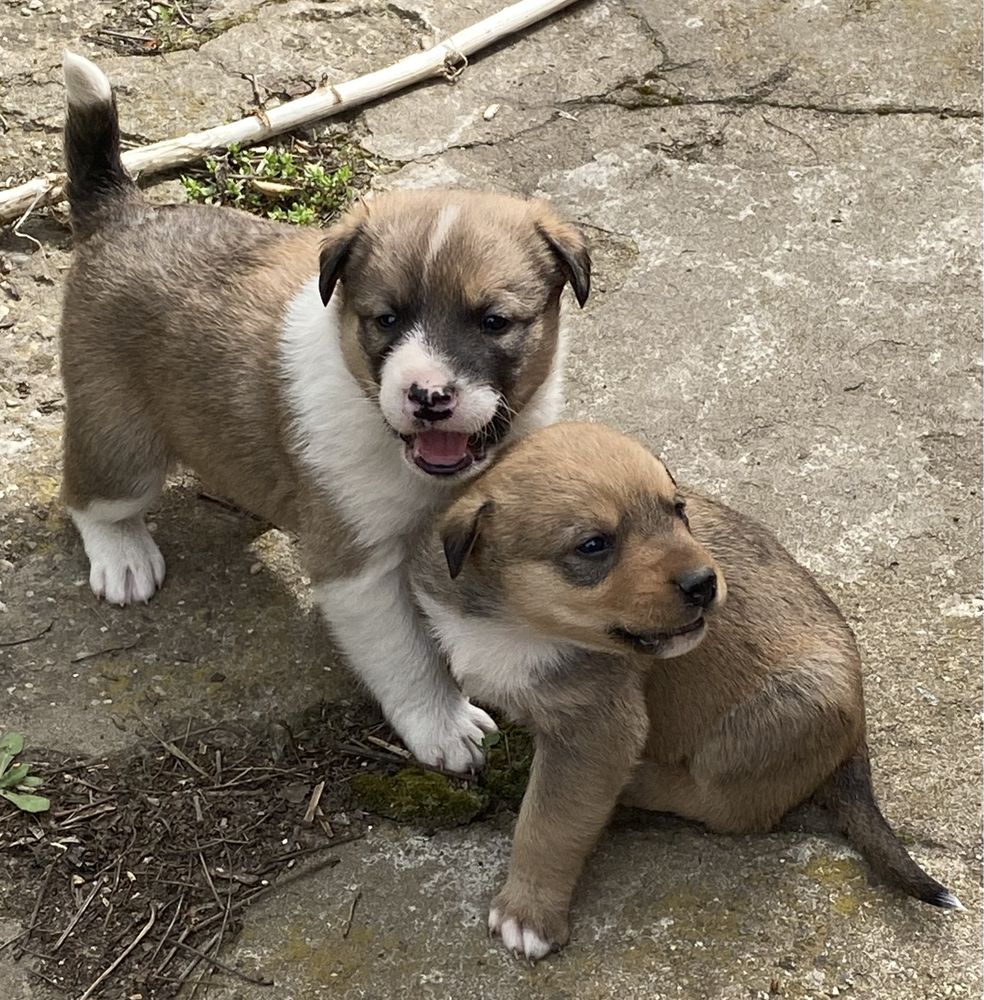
141	872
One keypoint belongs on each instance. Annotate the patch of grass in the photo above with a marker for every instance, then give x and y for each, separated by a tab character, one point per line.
302	182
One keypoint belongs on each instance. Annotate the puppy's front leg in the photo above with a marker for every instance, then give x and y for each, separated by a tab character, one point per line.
578	773
378	627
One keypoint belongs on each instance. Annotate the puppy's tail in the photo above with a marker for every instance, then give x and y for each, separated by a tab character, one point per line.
849	797
92	144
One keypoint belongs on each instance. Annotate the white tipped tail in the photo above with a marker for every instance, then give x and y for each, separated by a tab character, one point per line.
86	83
96	177
948	901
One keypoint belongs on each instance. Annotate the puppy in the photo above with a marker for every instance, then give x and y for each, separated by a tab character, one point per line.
573	586
338	384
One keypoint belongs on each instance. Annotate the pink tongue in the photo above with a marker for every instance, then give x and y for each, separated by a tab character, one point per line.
440	447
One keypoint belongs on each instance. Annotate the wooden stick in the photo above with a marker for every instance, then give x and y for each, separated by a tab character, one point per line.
447	58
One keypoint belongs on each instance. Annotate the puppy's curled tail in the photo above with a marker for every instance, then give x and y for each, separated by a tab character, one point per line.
849	797
92	144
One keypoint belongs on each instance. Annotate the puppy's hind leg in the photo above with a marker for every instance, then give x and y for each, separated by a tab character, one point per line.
114	470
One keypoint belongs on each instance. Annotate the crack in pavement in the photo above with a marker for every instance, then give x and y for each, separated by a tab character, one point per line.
758	95
751	101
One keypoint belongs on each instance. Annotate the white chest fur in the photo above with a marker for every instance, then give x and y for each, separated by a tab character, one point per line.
492	661
339	433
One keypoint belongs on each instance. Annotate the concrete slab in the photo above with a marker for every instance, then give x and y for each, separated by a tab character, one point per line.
785	206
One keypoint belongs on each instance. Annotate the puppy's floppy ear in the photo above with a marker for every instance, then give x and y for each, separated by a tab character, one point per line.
335	250
571	250
460	530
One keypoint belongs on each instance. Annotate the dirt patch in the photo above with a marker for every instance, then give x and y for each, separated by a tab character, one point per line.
141	872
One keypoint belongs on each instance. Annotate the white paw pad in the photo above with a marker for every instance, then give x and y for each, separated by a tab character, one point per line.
521	941
125	564
451	739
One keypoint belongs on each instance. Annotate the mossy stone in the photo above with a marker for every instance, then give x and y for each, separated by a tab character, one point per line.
415	796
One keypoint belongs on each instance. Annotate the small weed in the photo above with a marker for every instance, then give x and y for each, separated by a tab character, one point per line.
16	784
293	184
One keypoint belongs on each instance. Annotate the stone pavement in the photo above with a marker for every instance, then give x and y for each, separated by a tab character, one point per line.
784	201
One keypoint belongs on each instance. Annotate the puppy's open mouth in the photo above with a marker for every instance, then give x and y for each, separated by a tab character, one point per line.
444	453
653	642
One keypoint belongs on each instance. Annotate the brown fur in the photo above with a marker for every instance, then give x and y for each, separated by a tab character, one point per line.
766	711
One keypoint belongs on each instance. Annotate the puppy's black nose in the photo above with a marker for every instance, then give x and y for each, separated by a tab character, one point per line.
431	399
698	585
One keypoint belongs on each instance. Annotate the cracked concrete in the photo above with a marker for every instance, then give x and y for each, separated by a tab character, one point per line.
784	203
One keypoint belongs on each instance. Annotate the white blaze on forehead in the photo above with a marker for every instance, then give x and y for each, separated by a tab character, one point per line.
442	228
416	362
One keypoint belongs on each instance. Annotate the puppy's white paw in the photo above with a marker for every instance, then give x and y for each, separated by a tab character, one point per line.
125	564
523	941
451	739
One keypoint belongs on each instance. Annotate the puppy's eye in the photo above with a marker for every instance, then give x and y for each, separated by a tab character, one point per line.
386	321
495	324
681	512
596	545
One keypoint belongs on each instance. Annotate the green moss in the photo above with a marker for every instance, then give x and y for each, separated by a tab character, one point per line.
415	796
174	35
436	801
509	754
841	876
141	29
833	872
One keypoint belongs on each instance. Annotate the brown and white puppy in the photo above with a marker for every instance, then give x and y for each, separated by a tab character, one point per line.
568	588
338	384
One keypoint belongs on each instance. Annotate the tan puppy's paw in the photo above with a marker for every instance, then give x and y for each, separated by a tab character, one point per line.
527	931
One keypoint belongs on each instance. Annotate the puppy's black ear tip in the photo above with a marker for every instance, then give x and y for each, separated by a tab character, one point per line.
570	247
334	254
456	548
460	536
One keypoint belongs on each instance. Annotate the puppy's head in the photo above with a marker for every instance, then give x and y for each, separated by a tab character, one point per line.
450	303
581	534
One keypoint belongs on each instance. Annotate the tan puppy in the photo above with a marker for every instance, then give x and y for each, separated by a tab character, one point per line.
568	588
338	384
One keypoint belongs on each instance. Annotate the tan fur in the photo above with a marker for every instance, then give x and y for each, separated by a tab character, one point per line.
586	748
764	712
